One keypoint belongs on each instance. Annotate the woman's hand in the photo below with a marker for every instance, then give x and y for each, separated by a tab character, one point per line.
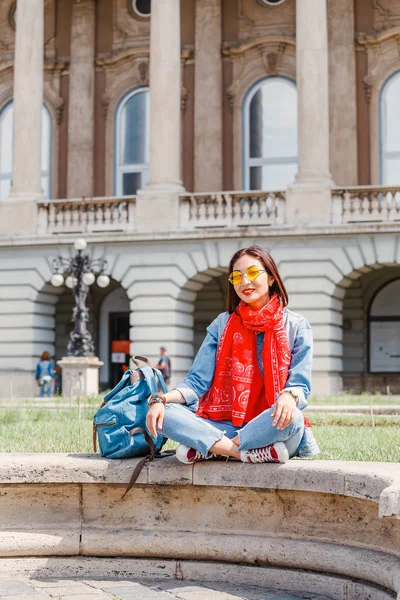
283	411
155	418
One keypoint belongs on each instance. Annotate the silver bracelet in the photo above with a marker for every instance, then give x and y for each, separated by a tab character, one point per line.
295	396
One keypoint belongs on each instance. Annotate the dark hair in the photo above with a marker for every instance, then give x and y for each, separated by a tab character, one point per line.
277	287
45	356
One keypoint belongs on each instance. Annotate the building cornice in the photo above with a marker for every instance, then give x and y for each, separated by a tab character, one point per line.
282	231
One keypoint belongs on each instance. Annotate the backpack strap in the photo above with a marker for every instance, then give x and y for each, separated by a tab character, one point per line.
143	461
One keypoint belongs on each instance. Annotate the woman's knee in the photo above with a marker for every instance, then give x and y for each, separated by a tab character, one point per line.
298	419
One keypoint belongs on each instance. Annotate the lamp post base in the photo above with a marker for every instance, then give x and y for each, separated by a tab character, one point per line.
80	375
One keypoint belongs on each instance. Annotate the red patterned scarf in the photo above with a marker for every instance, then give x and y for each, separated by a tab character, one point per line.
238	391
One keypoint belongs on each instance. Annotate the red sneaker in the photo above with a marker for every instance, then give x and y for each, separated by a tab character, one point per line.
189	456
275	453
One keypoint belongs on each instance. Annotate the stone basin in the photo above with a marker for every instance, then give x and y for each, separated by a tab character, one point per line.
309	527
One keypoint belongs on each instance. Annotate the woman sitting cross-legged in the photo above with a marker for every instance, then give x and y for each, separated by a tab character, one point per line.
244	395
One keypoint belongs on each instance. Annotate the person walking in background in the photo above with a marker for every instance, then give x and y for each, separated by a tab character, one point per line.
44	374
164	365
246	391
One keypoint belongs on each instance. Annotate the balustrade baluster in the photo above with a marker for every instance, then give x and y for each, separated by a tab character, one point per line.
98	215
202	211
267	208
52	218
246	206
270	209
76	220
390	207
396	205
356	208
107	214
90	214
67	217
364	207
131	215
194	209
228	209
376	209
123	213
279	209
346	207
219	208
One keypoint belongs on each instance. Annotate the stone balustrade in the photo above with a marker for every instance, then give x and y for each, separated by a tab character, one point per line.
86	215
232	209
319	527
370	204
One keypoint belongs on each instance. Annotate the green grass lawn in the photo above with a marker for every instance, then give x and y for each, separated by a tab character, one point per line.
341	437
374	399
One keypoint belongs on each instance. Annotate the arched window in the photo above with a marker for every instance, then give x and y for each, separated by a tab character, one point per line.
270	134
384	329
132	142
390	131
6	149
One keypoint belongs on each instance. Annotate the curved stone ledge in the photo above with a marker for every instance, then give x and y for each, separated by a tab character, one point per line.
378	482
338	521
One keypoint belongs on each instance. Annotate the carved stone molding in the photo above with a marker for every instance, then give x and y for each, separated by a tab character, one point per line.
52	83
11	15
187	55
272	59
128	28
264	43
386	14
383	53
256	20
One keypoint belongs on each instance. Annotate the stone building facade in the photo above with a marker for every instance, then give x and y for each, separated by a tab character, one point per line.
170	133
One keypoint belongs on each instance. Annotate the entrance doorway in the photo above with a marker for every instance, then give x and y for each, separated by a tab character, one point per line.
118	345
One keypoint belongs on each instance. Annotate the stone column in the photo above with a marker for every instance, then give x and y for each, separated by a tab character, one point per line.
310	197
208	97
80	177
342	92
18	212
28	100
157	206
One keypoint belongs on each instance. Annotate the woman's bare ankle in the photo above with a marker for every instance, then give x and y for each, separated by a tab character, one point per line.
225	447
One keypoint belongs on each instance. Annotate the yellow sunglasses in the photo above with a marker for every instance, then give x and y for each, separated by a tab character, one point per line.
251	273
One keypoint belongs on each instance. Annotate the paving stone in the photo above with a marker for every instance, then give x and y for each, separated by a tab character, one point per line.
96	596
39	596
70	588
195	592
12	587
149	589
140	592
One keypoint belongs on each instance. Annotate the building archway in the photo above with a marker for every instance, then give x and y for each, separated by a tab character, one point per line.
371	316
210	302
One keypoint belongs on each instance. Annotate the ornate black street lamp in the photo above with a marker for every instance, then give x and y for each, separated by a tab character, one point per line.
80	273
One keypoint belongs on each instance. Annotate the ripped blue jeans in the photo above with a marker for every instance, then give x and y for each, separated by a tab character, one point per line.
184	426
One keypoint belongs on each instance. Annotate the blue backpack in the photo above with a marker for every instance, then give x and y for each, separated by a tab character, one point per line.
120	422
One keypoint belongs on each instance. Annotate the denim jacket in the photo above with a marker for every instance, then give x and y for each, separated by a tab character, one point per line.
199	379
